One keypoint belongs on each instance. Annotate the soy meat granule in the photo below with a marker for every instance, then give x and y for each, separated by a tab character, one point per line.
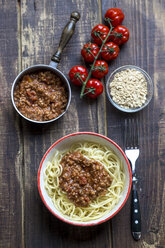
129	89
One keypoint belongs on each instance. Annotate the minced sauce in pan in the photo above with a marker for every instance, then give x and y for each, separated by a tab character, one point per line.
41	96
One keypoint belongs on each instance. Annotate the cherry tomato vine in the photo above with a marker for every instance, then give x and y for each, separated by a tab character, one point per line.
107	41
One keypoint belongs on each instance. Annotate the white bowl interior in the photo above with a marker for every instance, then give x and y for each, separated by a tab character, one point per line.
63	145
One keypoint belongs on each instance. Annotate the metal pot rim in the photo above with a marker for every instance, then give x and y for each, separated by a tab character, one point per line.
38	67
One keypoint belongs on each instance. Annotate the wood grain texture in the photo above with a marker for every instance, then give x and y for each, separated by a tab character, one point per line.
29	34
146	49
42	24
11	159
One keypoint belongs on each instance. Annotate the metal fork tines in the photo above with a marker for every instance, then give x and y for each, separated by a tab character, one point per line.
132	153
132	143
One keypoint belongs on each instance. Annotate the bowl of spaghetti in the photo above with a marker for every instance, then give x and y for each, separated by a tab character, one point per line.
84	179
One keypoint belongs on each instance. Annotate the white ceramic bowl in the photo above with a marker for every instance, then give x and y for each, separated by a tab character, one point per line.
64	144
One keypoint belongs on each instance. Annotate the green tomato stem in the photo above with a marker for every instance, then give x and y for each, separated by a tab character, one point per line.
78	76
96	57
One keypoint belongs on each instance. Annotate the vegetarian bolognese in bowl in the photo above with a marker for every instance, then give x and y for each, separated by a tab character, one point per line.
84	179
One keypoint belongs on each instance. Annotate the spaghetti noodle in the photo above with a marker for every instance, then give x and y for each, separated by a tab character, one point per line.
100	206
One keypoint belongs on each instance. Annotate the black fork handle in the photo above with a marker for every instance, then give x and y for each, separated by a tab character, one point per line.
135	215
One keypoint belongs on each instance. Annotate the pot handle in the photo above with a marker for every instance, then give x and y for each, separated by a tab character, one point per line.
65	37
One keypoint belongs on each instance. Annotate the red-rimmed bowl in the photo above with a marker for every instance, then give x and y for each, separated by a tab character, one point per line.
64	144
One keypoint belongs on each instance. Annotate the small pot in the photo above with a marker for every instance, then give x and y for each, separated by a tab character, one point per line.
65	37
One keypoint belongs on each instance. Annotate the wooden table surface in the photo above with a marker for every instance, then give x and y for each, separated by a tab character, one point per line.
29	35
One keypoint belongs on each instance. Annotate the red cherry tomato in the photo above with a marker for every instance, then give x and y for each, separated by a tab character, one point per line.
78	74
99	33
94	87
100	69
115	16
110	51
89	51
120	35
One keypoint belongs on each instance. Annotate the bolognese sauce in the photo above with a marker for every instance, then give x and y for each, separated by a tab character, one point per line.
83	179
41	96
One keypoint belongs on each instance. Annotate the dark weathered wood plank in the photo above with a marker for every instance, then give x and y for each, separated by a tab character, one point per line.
42	24
23	145
145	49
11	157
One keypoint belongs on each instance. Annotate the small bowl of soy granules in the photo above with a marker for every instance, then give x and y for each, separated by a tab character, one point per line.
129	88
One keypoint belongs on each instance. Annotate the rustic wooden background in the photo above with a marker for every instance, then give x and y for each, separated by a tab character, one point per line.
29	34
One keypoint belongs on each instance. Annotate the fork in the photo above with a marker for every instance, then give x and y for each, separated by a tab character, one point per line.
132	153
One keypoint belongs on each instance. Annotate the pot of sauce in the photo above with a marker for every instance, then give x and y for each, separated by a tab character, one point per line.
44	72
